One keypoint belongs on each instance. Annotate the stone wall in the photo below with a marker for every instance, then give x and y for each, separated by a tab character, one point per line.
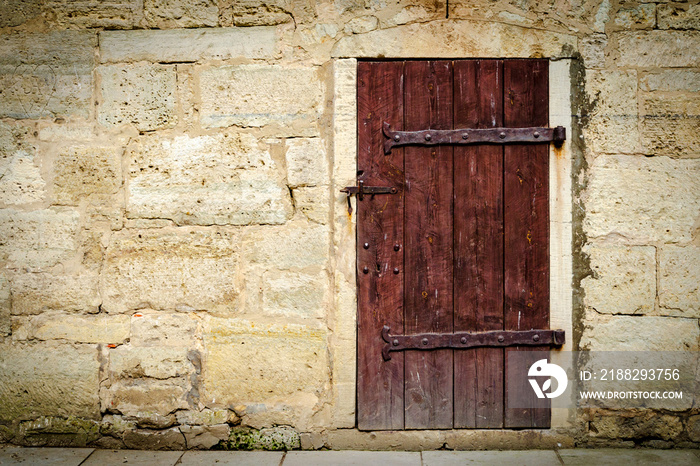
176	264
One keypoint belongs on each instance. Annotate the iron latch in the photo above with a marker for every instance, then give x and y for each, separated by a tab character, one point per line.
464	340
360	190
432	137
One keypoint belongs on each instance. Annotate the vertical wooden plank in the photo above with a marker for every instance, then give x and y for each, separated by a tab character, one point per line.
428	246
380	384
526	218
478	244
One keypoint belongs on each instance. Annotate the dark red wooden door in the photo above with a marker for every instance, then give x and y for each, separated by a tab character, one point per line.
462	246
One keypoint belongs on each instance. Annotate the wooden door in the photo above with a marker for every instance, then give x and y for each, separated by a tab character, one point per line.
462	245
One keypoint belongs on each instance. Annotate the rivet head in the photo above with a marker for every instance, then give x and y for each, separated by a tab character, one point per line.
397	137
502	135
537	135
396	247
366	245
536	338
428	137
395	342
396	271
365	270
501	339
393	190
424	341
463	340
465	136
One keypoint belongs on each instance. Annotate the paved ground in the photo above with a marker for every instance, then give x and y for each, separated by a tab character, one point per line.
92	457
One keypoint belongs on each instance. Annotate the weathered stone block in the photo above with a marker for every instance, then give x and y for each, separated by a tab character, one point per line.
5	305
292	246
123	14
258	95
671	80
641	425
186	45
21	182
204	437
624	279
253	362
34	293
449	38
294	294
223	179
313	202
637	333
658	48
206	417
306	162
670	125
46	74
141	95
81	329
83	170
145	397
642	199
264	13
361	25
48	380
58	432
636	17
129	362
613	126
181	13
679	280
593	50
143	439
679	16
183	269
159	329
39	238
17	12
693	424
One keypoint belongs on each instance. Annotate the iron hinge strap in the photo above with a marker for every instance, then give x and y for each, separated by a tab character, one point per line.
360	190
464	340
431	137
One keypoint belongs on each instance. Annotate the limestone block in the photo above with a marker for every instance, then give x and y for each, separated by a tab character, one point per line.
183	269
46	74
679	16
16	12
204	437
593	50
223	179
83	14
155	420
679	280
658	48
265	13
670	125
21	181
254	362
48	380
641	425
636	17
361	25
269	438
163	329
181	13
34	293
294	294
671	80
292	246
623	281
449	38
39	238
50	431
313	202
5	306
146	397
613	126
642	199
158	363
206	417
81	329
694	428
144	439
186	45
142	95
259	95
306	162
83	170
639	333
